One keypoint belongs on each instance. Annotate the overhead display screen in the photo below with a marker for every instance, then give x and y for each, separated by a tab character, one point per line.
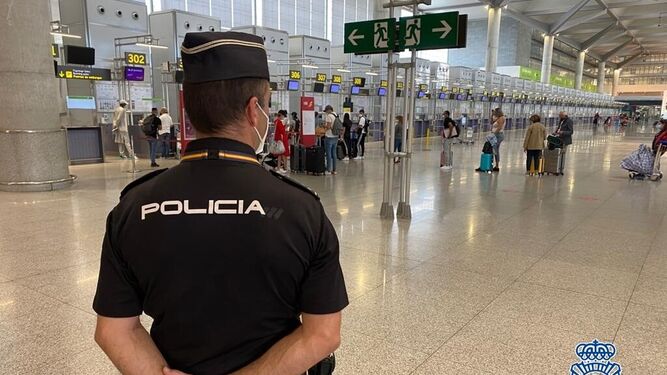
292	85
133	73
334	88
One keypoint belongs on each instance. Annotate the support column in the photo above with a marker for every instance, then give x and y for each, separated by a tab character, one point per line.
33	147
579	75
547	55
615	82
492	39
601	75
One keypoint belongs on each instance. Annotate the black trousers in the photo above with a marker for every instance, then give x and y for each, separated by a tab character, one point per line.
362	143
533	156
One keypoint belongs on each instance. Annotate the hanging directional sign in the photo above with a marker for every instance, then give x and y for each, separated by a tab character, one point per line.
336	78
375	36
429	31
77	72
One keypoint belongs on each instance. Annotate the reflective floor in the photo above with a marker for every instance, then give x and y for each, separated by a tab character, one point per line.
498	274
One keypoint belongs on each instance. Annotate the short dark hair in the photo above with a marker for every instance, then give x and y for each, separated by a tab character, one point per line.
447	113
214	105
361	111
153	109
328	108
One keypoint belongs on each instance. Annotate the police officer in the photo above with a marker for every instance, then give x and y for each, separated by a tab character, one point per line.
238	267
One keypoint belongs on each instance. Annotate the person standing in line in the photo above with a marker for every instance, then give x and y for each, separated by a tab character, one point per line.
164	134
398	136
448	136
533	143
347	134
120	131
565	130
362	132
295	130
334	127
280	135
596	120
150	125
498	130
252	283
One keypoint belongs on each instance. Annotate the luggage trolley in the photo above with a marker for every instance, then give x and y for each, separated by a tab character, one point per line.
638	165
468	130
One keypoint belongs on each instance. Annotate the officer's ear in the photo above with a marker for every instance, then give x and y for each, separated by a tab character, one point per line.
252	112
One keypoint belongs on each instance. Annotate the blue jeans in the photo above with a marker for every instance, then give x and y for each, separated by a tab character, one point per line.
397	144
496	149
164	142
152	145
330	150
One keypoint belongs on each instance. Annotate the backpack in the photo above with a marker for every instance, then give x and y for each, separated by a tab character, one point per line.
337	126
458	129
148	126
487	149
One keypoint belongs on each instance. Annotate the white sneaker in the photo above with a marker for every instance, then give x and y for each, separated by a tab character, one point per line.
346	159
446	168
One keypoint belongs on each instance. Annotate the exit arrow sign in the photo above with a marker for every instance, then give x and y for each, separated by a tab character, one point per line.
367	37
429	31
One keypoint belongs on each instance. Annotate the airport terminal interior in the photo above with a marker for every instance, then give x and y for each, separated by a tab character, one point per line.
451	267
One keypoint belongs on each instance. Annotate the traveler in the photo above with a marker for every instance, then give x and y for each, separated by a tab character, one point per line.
565	129
661	136
596	119
449	134
164	134
497	129
333	127
347	137
280	135
120	131
362	131
295	130
150	126
607	124
398	136
533	143
244	274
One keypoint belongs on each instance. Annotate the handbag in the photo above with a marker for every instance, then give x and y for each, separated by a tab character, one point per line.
320	131
277	147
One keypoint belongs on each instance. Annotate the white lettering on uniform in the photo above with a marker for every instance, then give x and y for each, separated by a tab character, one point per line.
149	209
215	207
178	208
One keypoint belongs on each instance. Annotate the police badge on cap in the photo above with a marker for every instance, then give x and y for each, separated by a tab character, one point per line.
215	56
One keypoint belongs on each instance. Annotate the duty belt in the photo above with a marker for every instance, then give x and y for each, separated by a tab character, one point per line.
218	155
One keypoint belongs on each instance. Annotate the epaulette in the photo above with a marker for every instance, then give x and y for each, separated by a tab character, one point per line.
140	181
295	183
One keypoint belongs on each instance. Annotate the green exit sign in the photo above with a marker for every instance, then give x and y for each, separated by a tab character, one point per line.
367	37
429	31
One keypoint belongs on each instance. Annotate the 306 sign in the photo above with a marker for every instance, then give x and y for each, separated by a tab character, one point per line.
133	58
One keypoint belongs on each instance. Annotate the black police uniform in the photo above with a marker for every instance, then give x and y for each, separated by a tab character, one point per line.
222	254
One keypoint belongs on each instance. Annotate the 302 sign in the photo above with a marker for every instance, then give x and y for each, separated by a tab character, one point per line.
133	58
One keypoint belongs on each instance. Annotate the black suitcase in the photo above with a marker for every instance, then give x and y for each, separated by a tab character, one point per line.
297	161
315	160
341	150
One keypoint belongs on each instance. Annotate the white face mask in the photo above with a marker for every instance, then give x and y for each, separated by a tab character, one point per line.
262	140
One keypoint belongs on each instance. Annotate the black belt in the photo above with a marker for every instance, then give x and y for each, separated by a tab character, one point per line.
218	155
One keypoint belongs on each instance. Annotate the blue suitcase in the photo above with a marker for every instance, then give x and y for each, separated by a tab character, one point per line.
486	163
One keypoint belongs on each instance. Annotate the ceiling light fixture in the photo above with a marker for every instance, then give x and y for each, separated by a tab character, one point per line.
270	61
65	35
151	45
310	66
344	70
371	74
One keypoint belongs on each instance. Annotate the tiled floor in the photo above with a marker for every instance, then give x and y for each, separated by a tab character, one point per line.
497	274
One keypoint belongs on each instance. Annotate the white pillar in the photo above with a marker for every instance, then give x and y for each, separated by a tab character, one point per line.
578	78
601	75
614	86
547	55
492	39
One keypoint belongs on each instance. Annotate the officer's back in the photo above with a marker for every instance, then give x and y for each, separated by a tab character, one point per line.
223	255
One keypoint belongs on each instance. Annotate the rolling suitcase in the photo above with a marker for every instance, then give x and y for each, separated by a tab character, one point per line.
553	161
315	160
297	161
341	150
486	163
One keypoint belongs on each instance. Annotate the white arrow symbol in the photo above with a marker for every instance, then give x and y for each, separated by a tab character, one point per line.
353	37
444	30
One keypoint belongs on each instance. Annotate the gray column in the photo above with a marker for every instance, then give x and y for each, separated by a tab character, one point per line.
547	55
33	147
579	74
492	39
601	75
615	82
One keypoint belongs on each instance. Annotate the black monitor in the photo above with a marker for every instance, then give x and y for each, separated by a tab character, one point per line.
398	93
79	55
292	85
274	86
334	88
318	87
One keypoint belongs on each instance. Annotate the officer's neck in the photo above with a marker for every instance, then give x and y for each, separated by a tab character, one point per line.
245	138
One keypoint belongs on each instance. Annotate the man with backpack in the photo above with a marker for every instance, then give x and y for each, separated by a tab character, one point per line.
150	126
334	127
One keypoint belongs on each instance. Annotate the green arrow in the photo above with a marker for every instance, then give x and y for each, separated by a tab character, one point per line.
353	37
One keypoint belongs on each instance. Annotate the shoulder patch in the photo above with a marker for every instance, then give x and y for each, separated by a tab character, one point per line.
140	181
295	183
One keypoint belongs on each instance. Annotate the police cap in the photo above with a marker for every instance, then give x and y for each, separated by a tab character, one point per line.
215	56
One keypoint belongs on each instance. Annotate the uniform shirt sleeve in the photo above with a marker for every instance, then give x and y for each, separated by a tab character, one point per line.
118	294
323	289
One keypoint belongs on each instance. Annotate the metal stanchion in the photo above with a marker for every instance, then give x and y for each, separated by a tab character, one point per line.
133	158
387	208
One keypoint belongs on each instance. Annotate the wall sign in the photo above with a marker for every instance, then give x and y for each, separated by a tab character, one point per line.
321	77
134	58
294	74
336	79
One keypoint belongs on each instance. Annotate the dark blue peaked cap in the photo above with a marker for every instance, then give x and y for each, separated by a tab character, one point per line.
215	56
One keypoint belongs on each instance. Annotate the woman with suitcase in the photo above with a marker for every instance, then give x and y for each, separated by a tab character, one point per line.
533	144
